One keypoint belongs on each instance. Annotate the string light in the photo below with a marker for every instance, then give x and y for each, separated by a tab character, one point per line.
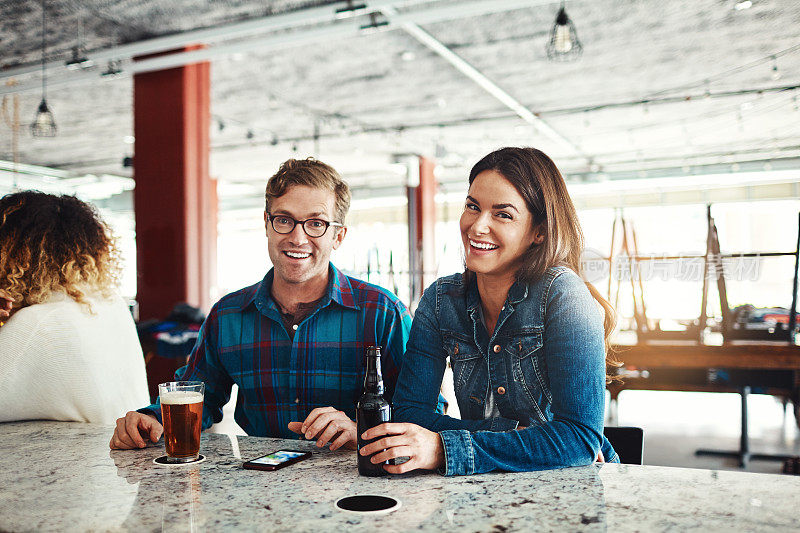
776	74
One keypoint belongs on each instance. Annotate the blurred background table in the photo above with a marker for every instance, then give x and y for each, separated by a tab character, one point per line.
743	367
766	368
62	476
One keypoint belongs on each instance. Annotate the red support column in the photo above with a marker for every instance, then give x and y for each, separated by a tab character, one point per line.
175	200
422	230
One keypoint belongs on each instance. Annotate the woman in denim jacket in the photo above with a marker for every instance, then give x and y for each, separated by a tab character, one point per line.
525	336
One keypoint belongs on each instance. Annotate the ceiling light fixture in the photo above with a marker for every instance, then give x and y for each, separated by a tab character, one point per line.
113	69
747	4
44	125
350	10
564	44
376	22
79	59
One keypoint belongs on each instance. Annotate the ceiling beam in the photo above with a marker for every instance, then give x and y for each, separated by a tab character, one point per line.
248	42
237	30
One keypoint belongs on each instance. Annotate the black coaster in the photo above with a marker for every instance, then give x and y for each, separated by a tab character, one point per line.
368	504
164	460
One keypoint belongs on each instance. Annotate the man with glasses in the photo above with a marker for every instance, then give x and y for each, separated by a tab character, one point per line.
294	343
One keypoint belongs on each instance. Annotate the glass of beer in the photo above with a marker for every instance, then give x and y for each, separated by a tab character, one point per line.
182	416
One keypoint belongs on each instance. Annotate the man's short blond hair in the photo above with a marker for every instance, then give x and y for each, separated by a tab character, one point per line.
312	173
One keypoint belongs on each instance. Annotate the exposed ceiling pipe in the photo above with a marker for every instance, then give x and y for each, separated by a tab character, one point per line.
413	29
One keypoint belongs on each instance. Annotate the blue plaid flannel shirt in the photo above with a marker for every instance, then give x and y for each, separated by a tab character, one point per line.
243	341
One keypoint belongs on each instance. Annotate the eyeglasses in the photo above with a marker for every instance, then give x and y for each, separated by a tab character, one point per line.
314	227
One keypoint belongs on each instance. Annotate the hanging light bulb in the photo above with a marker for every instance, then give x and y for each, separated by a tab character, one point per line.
563	39
44	125
564	44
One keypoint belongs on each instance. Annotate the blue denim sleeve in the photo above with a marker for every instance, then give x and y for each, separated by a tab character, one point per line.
417	398
204	365
575	360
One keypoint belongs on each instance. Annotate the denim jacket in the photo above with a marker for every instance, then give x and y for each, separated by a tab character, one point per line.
544	368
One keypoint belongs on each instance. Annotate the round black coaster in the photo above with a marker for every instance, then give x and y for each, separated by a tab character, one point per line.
164	460
368	503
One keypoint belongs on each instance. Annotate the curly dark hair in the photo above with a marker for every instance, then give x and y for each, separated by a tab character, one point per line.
51	243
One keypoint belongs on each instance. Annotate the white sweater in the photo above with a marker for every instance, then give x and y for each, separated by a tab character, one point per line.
58	361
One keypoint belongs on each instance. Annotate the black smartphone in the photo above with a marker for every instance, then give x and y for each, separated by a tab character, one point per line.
276	460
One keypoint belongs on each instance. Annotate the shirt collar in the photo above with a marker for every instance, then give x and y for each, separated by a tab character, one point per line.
339	290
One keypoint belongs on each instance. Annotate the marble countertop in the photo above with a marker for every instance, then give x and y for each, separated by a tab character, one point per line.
62	476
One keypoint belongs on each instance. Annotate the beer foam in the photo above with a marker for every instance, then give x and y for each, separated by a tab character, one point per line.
180	397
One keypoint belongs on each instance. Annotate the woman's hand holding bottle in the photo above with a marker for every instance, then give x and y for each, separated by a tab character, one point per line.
423	447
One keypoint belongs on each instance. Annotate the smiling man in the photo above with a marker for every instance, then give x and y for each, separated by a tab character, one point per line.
293	343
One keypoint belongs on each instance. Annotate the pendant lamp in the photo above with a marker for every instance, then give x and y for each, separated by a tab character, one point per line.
564	44
44	125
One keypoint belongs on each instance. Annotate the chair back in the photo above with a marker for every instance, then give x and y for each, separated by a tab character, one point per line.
628	443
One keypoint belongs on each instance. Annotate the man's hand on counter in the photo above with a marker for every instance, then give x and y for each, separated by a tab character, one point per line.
327	424
133	428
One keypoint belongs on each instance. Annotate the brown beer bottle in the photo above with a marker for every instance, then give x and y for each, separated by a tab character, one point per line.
372	410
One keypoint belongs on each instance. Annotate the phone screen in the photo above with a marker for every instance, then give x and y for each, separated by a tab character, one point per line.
276	458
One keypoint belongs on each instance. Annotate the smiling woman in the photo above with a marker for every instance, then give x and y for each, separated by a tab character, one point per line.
526	337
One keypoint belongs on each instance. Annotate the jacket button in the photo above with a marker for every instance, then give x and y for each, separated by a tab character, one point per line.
501	390
496	348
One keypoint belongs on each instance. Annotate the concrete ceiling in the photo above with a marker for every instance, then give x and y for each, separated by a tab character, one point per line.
660	85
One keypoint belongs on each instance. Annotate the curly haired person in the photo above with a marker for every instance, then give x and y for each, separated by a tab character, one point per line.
68	344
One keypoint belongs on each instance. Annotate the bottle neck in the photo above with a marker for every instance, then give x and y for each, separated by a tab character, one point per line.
373	380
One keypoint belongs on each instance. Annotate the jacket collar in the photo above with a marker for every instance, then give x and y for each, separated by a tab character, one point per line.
517	293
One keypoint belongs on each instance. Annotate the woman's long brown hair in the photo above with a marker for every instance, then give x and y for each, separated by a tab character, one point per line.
539	182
